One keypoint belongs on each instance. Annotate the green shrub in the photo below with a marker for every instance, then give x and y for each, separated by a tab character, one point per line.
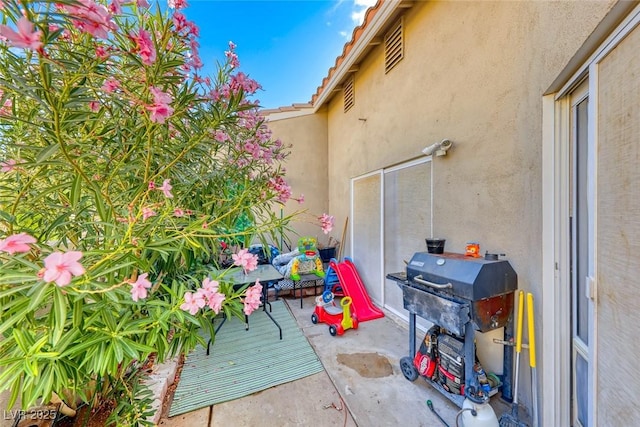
123	173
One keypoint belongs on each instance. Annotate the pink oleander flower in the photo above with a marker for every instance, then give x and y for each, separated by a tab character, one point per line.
139	287
17	243
196	63
215	302
152	185
115	6
246	260
148	213
92	18
212	296
178	213
94	106
166	188
60	267
252	298
300	199
144	47
101	52
7	165
210	285
160	109
110	85
221	136
179	21
160	97
282	189
242	81
193	30
192	302
25	37
142	4
177	4
232	57
326	222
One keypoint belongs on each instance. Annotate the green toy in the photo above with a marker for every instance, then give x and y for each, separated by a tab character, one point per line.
308	261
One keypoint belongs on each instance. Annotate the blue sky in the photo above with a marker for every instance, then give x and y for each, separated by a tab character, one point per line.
288	46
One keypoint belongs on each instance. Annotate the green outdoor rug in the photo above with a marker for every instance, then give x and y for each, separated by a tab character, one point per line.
244	362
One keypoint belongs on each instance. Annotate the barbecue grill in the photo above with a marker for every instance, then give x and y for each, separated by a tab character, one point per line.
462	295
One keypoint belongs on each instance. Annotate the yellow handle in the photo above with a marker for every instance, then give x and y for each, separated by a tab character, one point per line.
519	324
532	331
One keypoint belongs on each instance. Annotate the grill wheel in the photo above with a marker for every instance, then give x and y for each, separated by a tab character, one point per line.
408	370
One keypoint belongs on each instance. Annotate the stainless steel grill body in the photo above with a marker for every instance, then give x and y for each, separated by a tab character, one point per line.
461	276
462	295
452	289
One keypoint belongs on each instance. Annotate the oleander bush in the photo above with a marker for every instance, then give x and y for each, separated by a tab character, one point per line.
124	175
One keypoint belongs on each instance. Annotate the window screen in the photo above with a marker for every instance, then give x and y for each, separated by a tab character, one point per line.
407	222
366	233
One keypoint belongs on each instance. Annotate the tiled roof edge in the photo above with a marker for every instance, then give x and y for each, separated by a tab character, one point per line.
357	32
293	107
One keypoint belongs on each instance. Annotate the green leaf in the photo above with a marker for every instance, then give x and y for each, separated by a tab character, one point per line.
13	278
6	216
38	295
15	392
130	351
117	349
68	338
139	346
59	314
47	152
76	190
16	316
107	318
21	340
77	313
88	343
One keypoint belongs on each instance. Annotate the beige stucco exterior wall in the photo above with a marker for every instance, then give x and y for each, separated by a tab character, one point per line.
306	171
473	72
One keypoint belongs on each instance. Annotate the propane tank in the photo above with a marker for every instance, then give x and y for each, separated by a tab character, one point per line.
484	415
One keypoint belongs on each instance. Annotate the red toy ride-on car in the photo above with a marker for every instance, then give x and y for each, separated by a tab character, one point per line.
338	318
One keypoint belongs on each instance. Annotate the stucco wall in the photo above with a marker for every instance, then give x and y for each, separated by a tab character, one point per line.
473	72
306	171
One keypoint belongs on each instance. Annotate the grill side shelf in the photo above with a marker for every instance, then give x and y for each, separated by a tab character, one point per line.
400	277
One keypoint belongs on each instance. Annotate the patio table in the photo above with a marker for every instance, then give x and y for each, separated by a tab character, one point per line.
265	273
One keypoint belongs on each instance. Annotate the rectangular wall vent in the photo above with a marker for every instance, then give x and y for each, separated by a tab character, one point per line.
393	46
349	98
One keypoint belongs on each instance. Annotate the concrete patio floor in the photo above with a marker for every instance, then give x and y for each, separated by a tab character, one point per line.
362	385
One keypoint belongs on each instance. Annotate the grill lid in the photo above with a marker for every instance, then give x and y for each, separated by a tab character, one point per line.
469	278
